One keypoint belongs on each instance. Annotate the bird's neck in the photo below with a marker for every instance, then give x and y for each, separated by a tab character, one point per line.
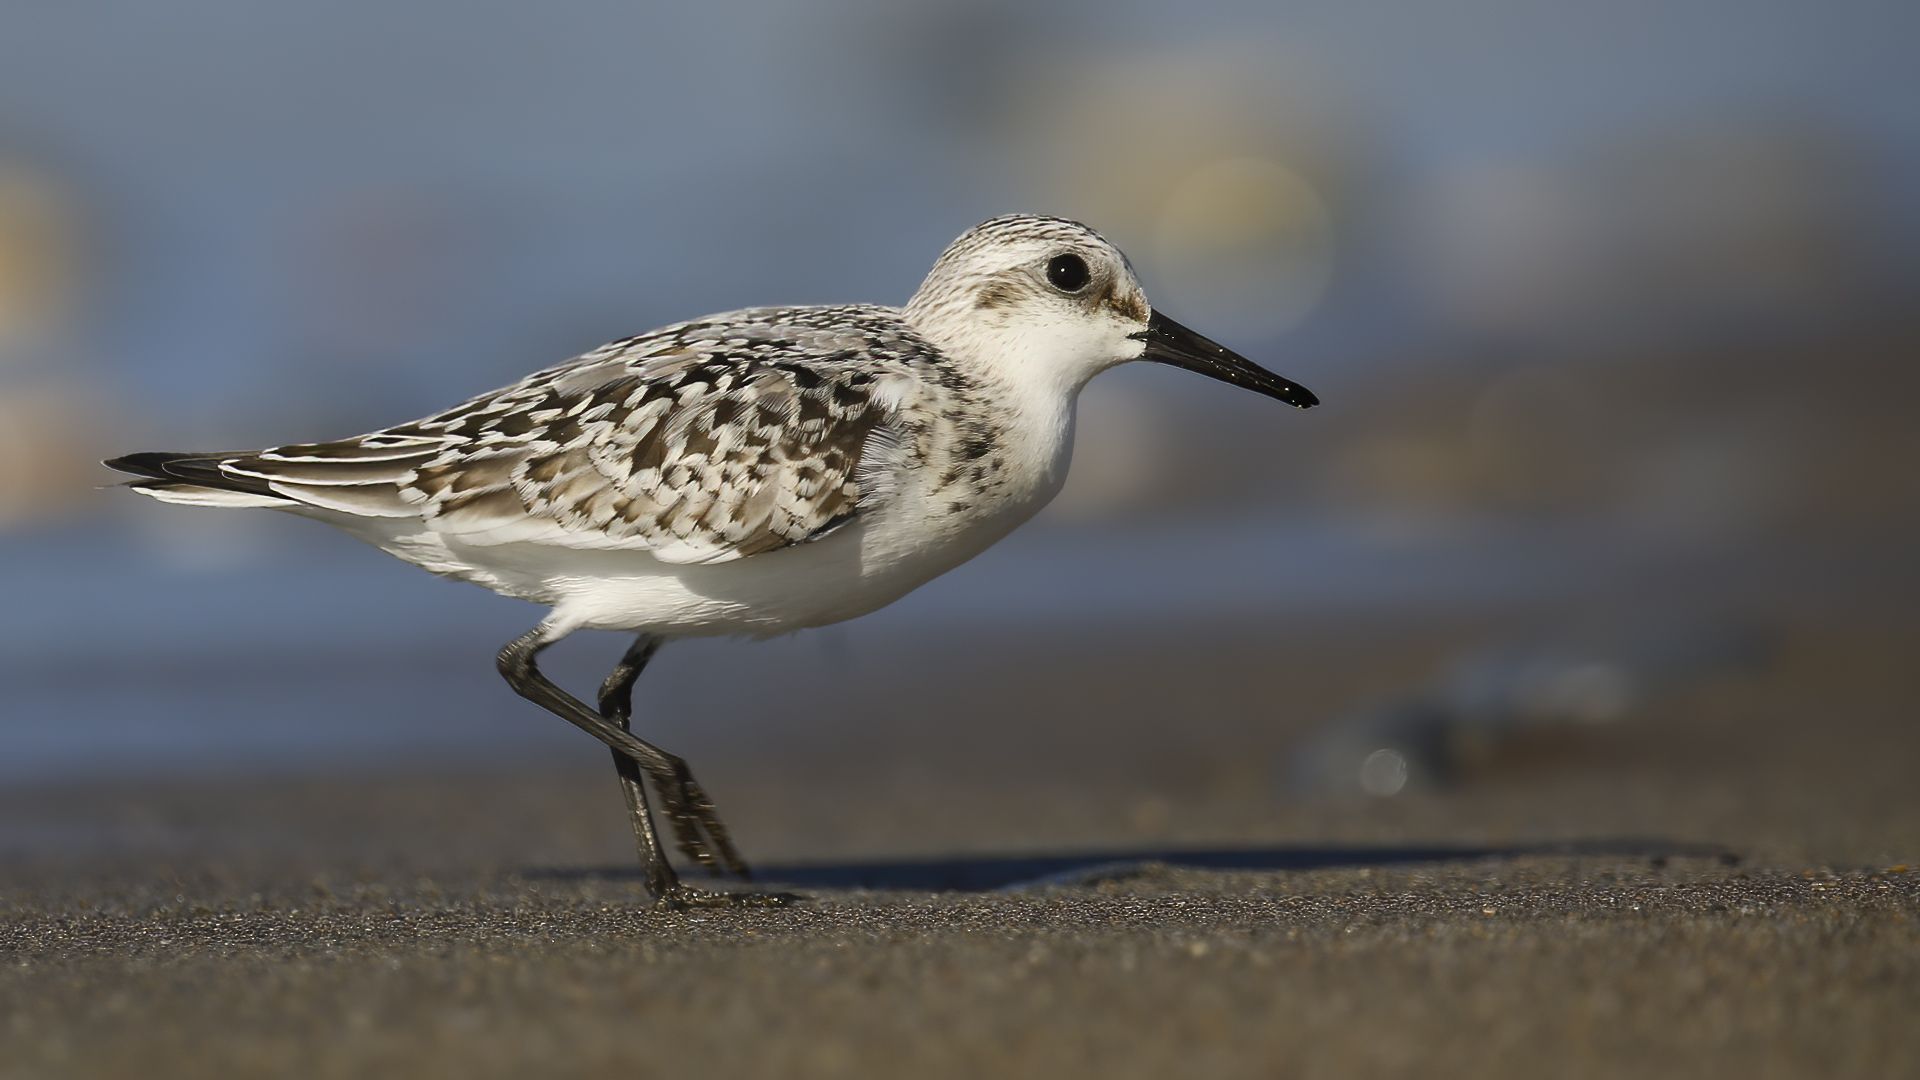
1037	368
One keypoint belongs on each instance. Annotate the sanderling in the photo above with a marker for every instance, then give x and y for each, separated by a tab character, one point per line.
750	473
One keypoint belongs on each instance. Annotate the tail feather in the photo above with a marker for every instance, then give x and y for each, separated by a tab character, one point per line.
185	494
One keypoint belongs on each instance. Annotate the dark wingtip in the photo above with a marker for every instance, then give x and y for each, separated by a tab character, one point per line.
202	469
148	463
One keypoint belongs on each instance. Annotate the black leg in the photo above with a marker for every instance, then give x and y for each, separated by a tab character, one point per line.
683	800
517	664
620	684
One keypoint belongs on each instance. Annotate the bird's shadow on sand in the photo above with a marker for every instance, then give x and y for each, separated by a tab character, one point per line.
1013	873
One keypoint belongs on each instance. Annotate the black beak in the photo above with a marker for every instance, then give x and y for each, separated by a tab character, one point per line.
1170	343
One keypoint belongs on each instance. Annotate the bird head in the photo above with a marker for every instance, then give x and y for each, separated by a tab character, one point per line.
1052	297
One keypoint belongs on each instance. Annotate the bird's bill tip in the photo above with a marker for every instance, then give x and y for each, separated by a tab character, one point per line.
1168	342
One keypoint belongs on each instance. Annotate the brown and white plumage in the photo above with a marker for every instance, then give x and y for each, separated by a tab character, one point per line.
697	443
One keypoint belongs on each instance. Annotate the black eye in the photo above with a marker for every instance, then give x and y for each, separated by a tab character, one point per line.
1068	273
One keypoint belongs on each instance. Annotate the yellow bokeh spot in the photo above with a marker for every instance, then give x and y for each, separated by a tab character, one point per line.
37	256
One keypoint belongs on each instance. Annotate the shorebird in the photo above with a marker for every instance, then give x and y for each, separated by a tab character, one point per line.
750	473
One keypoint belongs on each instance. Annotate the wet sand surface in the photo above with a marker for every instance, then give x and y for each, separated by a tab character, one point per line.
1715	885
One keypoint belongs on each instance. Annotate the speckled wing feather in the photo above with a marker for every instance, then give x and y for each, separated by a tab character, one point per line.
701	442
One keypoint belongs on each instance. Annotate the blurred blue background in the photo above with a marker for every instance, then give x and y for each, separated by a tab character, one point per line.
1610	305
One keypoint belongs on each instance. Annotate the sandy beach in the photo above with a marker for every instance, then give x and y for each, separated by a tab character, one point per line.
1716	886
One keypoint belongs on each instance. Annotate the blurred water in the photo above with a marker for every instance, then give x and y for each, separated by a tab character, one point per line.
115	659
